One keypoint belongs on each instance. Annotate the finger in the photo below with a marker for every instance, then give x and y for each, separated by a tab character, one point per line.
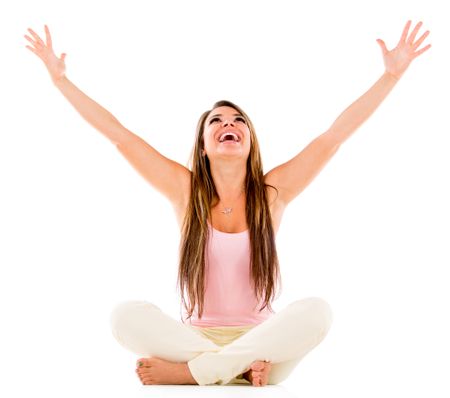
48	37
421	39
32	49
405	32
34	43
36	37
416	54
414	33
382	45
29	39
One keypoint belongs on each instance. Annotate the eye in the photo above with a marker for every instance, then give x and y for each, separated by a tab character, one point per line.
241	119
213	119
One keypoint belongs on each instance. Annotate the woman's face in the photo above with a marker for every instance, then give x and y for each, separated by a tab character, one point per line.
226	134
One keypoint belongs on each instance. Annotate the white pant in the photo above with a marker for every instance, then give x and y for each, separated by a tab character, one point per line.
283	339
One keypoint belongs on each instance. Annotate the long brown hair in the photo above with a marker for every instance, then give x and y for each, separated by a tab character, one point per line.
265	272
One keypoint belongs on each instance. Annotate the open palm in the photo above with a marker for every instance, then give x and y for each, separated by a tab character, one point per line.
397	60
55	66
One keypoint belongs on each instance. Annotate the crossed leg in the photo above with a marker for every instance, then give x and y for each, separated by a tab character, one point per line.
281	340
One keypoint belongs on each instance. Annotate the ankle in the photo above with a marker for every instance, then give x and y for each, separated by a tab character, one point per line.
188	375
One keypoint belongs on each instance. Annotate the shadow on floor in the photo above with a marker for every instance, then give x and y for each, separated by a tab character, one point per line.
228	391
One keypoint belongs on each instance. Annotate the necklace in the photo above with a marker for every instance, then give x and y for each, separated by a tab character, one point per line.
228	210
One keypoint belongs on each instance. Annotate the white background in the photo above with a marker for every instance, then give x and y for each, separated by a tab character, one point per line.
81	230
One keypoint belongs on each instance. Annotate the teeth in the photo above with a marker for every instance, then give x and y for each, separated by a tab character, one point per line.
221	139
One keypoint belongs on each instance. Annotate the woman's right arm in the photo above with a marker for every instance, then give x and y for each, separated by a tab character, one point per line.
168	177
97	116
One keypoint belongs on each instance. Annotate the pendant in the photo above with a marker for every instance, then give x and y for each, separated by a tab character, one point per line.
227	210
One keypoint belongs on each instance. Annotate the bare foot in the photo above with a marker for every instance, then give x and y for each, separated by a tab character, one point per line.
258	374
158	371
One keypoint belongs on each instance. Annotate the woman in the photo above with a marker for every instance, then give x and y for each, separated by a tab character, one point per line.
229	213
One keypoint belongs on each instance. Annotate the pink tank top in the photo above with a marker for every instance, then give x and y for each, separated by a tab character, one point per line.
229	295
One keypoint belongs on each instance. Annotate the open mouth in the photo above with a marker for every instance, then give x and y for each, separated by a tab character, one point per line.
228	137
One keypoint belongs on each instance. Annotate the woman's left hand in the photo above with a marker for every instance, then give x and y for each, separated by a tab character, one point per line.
398	59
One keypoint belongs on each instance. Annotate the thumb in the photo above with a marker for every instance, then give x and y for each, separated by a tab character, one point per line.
382	45
63	56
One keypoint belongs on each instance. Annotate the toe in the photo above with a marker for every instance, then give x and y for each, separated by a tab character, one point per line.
147	381
258	366
257	375
263	382
144	362
143	372
256	381
141	379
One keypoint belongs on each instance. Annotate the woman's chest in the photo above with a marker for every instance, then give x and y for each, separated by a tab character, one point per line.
233	220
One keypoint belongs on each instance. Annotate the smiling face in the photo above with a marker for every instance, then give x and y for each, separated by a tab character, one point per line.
226	134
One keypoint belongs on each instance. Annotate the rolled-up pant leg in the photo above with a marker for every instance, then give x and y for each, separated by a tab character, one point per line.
144	329
284	339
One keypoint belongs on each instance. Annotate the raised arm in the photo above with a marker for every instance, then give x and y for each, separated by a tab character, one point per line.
294	176
168	177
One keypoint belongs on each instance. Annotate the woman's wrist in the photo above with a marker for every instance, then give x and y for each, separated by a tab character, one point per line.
392	76
58	80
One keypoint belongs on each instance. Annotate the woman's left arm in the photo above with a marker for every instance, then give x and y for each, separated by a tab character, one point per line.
294	176
396	62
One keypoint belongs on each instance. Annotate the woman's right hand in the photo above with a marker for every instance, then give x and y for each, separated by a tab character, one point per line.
55	66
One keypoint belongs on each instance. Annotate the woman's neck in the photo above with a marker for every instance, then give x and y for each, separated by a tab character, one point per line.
229	181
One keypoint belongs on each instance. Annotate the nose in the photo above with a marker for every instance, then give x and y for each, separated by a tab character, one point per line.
227	122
